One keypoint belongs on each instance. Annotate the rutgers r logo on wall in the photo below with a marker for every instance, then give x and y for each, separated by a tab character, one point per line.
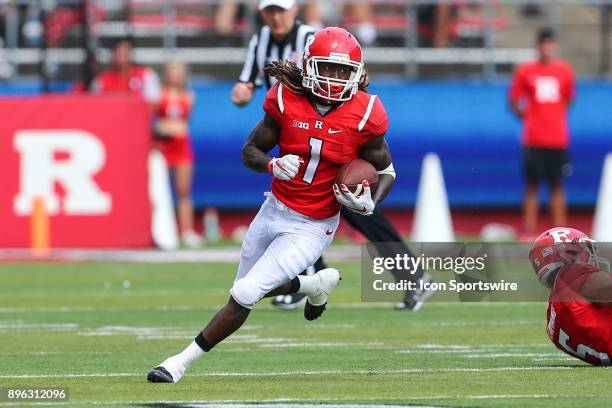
85	159
66	158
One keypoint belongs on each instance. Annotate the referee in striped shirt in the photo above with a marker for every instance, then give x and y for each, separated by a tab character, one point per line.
283	37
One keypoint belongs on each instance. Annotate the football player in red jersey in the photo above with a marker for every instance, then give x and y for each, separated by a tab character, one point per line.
320	119
579	312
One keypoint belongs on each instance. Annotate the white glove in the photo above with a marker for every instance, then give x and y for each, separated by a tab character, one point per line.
362	204
286	167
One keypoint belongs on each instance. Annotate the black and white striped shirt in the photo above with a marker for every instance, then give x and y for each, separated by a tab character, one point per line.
263	49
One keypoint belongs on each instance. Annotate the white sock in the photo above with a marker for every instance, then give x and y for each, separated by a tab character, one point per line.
177	364
309	285
190	354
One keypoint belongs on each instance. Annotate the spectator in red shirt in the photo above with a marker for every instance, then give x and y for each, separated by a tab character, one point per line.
540	95
125	76
173	140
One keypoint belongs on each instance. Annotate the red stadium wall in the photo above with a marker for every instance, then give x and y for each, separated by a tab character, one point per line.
86	157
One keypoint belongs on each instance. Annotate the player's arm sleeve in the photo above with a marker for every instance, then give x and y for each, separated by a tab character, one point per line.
250	70
152	87
375	121
274	104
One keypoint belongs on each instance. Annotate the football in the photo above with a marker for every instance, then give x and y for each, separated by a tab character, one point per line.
354	172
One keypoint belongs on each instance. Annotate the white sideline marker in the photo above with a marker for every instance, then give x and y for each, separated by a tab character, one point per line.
163	223
603	211
432	217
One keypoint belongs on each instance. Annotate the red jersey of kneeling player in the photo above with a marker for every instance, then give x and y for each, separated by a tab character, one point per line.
323	142
577	327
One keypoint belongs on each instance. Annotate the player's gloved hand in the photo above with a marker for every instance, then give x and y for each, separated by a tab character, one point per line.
286	167
362	204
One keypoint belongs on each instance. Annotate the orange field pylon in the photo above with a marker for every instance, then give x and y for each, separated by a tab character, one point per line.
40	229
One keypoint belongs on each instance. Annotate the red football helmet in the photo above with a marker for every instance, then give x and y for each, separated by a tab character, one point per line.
561	246
336	46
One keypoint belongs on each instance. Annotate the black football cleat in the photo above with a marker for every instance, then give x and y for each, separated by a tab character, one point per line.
313	312
159	375
415	299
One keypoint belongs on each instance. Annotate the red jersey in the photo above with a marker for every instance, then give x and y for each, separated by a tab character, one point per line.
576	326
177	149
324	142
547	90
175	105
141	80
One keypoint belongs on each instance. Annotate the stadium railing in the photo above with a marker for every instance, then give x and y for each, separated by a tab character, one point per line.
485	37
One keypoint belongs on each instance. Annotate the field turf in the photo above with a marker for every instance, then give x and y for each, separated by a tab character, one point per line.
98	328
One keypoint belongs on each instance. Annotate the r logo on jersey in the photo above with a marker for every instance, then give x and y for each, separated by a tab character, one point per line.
548	89
319	125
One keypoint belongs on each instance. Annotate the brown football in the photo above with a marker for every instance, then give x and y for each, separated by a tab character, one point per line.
354	172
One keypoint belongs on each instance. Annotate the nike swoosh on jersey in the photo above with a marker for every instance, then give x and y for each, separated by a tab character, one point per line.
333	132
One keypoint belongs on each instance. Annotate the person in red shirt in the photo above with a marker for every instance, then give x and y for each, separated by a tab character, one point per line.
173	141
579	315
125	76
321	118
540	95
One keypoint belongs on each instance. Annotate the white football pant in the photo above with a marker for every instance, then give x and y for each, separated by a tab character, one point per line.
278	246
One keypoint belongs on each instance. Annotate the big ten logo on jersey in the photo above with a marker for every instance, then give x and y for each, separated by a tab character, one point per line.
68	159
548	89
301	125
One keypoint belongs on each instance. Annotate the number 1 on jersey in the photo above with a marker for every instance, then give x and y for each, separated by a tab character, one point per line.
315	157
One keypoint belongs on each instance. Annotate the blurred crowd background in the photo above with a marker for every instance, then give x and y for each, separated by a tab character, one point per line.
404	38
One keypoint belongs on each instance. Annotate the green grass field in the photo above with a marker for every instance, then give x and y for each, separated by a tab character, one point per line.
98	328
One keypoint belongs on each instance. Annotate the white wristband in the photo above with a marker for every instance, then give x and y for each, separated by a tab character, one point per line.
389	171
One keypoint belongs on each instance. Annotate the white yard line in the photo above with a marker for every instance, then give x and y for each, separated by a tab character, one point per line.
349	305
462	323
20	326
320	344
335	402
222	254
71	309
298	373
